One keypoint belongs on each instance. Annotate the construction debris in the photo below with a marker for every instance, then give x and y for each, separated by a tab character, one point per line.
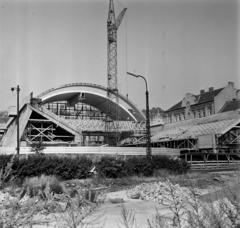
162	192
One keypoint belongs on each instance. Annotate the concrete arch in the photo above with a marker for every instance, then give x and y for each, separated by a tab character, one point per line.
95	95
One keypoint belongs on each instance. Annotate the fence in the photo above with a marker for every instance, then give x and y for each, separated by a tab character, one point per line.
135	151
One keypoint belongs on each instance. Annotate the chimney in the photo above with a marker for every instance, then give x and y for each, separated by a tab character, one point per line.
211	89
231	83
202	91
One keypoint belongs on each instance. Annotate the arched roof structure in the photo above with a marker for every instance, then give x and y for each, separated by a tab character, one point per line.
95	96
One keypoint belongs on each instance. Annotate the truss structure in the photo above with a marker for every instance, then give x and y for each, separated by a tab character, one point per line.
230	140
99	125
112	89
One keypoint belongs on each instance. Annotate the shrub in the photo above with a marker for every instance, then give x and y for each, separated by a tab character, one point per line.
4	160
6	172
37	147
66	168
63	167
73	168
139	166
37	185
111	167
172	164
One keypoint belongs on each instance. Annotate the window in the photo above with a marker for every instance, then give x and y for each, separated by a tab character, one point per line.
194	114
197	114
209	110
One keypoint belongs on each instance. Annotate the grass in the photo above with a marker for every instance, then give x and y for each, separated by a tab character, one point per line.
37	185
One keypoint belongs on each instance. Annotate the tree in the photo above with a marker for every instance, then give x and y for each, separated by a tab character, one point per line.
4	113
37	147
153	111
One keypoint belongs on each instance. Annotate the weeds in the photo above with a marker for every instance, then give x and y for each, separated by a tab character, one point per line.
220	210
60	209
6	173
37	185
128	219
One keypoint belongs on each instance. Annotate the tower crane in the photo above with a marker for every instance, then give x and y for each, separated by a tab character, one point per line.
112	87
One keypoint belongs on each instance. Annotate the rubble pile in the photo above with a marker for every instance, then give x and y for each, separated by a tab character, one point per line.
162	192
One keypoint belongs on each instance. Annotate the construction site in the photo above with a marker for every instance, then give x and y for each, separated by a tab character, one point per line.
203	129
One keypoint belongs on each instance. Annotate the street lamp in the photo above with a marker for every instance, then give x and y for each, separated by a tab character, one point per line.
18	89
148	135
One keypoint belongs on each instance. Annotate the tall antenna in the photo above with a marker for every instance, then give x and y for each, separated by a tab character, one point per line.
112	89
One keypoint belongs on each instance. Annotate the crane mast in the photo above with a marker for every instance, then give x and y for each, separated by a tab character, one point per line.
112	88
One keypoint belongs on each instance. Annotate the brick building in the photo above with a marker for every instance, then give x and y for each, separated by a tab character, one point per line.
204	104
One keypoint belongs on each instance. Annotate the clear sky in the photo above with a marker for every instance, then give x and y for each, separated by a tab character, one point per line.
180	46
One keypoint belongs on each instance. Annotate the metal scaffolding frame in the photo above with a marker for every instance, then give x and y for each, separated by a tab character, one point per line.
43	130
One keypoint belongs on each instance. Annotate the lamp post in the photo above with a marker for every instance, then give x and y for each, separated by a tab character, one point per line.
148	135
18	90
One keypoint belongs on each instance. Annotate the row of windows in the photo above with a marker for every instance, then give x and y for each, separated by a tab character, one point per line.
190	115
79	110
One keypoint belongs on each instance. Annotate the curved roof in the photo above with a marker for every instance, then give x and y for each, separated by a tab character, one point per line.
95	96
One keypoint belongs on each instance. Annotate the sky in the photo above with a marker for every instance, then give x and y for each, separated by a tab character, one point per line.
179	46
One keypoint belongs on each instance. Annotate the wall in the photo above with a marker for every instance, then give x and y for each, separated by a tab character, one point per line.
96	150
227	94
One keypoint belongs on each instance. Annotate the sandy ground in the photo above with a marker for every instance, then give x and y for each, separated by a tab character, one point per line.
109	213
143	210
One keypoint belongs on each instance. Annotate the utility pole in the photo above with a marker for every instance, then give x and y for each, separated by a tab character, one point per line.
18	140
148	132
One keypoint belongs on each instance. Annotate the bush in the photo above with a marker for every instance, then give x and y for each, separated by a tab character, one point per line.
37	185
176	165
139	166
4	160
111	167
78	167
64	168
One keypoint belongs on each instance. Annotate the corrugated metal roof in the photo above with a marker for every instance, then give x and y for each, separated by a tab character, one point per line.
192	131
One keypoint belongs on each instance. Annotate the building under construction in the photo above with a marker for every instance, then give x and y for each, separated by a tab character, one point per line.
203	127
84	114
73	115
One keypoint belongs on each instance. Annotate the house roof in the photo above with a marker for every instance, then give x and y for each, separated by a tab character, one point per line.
176	106
209	96
201	98
231	106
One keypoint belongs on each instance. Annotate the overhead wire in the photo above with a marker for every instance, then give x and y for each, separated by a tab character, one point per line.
119	3
126	55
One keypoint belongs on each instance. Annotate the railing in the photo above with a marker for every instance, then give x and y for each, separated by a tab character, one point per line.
210	165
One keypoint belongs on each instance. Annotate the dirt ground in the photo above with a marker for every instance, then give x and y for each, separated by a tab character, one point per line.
146	210
109	212
143	210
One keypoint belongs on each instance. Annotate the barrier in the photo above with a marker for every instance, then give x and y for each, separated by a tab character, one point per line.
135	151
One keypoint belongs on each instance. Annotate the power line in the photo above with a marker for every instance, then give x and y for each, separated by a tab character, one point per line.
119	3
126	55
